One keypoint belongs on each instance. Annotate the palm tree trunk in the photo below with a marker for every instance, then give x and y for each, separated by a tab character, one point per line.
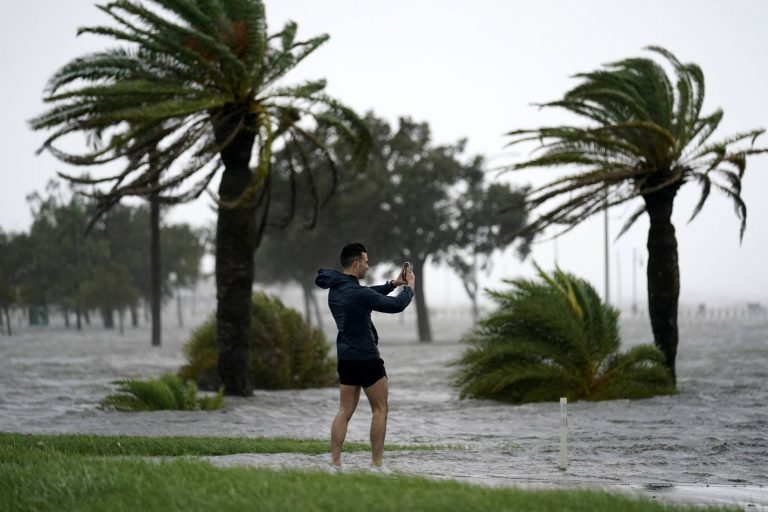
663	274
235	247
422	313
154	261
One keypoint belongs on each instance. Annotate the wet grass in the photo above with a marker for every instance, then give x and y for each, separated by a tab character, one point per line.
92	445
60	473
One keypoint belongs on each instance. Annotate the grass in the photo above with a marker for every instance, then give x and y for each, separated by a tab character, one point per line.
90	445
60	473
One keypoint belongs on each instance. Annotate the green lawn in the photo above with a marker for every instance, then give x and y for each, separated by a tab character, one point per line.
92	473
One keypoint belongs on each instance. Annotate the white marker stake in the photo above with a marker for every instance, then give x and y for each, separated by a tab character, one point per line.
563	434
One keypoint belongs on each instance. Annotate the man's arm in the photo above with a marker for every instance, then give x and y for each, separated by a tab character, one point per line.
385	304
384	289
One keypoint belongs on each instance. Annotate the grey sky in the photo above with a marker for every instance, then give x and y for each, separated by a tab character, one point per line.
471	70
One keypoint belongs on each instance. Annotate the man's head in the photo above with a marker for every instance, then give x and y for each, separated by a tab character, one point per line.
354	260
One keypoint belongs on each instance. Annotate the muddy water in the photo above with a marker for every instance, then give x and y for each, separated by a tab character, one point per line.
715	432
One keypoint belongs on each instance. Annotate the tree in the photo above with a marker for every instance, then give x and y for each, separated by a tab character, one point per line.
199	80
488	219
145	149
553	337
414	202
646	138
182	250
125	233
419	202
109	288
61	256
343	218
12	257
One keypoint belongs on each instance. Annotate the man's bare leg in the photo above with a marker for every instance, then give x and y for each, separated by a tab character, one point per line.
348	398
377	396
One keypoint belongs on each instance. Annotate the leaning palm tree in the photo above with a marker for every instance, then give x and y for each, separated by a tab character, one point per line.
554	337
200	80
645	138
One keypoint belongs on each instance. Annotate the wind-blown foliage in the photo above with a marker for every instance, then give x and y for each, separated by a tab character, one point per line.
186	66
165	393
551	338
645	137
285	352
646	134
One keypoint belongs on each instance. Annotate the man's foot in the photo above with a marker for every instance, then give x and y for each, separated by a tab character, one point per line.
381	469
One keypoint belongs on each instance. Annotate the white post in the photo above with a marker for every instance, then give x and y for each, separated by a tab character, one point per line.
563	434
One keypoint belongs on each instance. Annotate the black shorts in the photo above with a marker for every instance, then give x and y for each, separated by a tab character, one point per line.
362	373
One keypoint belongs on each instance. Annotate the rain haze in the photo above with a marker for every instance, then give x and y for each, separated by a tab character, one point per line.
474	71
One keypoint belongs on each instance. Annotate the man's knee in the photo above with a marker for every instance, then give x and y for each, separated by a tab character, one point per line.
380	409
345	413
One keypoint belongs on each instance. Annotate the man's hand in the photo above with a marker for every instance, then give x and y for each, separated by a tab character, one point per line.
399	281
410	278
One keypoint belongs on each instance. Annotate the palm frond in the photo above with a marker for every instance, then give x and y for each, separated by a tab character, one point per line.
641	130
631	220
549	338
182	65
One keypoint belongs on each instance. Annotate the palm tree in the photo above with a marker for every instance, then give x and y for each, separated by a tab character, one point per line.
200	81
645	139
554	337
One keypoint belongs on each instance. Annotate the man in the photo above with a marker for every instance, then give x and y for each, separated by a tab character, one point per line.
359	362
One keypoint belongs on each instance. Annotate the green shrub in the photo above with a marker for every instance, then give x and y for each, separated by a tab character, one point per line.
552	338
285	352
168	392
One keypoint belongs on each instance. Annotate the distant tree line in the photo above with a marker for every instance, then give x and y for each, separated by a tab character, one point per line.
60	266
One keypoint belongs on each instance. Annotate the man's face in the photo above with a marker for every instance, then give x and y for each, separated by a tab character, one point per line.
361	265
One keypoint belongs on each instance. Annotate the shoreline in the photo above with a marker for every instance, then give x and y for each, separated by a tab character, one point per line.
751	497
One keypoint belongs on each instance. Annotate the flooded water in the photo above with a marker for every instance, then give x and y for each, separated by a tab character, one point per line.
711	439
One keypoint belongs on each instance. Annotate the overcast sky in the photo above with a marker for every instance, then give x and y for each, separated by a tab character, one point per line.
472	70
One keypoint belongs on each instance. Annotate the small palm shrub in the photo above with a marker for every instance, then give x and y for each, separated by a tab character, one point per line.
551	338
168	392
285	352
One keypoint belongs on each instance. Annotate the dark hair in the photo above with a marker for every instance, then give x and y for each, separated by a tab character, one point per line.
350	253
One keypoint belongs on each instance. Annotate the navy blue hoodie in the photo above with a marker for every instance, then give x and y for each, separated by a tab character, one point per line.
351	305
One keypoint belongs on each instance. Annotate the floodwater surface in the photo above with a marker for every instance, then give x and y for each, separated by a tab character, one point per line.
711	438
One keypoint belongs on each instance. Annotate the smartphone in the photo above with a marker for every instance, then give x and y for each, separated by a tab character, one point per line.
406	266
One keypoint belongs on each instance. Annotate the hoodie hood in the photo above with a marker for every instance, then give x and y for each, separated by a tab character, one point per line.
328	278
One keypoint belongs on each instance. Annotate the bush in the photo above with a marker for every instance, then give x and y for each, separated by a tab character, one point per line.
555	338
285	352
166	393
